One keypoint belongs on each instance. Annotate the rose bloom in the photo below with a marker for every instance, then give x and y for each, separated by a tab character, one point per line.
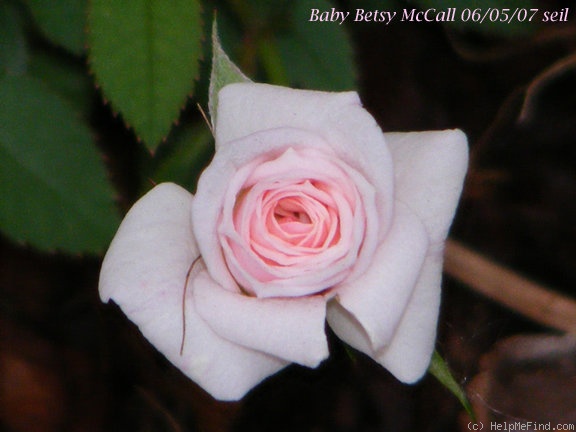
308	213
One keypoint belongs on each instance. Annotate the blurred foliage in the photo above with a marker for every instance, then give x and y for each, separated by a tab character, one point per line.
54	192
182	162
62	21
322	63
62	60
13	53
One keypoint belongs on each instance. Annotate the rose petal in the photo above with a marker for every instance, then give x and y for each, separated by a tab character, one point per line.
408	355
151	251
216	181
338	118
144	272
367	310
265	265
224	369
430	169
292	329
272	107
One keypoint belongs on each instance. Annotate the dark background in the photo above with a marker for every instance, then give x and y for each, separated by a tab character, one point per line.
70	363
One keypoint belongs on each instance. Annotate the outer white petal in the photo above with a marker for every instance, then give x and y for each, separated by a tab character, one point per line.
152	250
430	169
224	369
367	310
246	108
289	328
408	355
144	272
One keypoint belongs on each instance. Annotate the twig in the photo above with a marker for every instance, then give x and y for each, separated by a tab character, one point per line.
532	92
535	301
156	405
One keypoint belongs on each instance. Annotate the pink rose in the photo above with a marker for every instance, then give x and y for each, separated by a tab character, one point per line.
307	213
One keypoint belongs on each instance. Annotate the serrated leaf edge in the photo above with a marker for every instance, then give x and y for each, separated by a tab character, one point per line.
106	100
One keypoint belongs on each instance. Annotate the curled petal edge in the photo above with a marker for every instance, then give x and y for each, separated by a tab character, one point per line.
291	329
144	273
366	311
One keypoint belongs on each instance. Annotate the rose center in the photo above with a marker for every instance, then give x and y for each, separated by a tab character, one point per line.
293	225
286	212
298	215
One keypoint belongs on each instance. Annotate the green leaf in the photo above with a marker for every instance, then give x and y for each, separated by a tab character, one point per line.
65	77
145	56
54	190
62	21
224	72
317	55
13	49
442	373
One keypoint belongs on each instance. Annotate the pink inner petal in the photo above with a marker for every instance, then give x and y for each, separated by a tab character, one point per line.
295	224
